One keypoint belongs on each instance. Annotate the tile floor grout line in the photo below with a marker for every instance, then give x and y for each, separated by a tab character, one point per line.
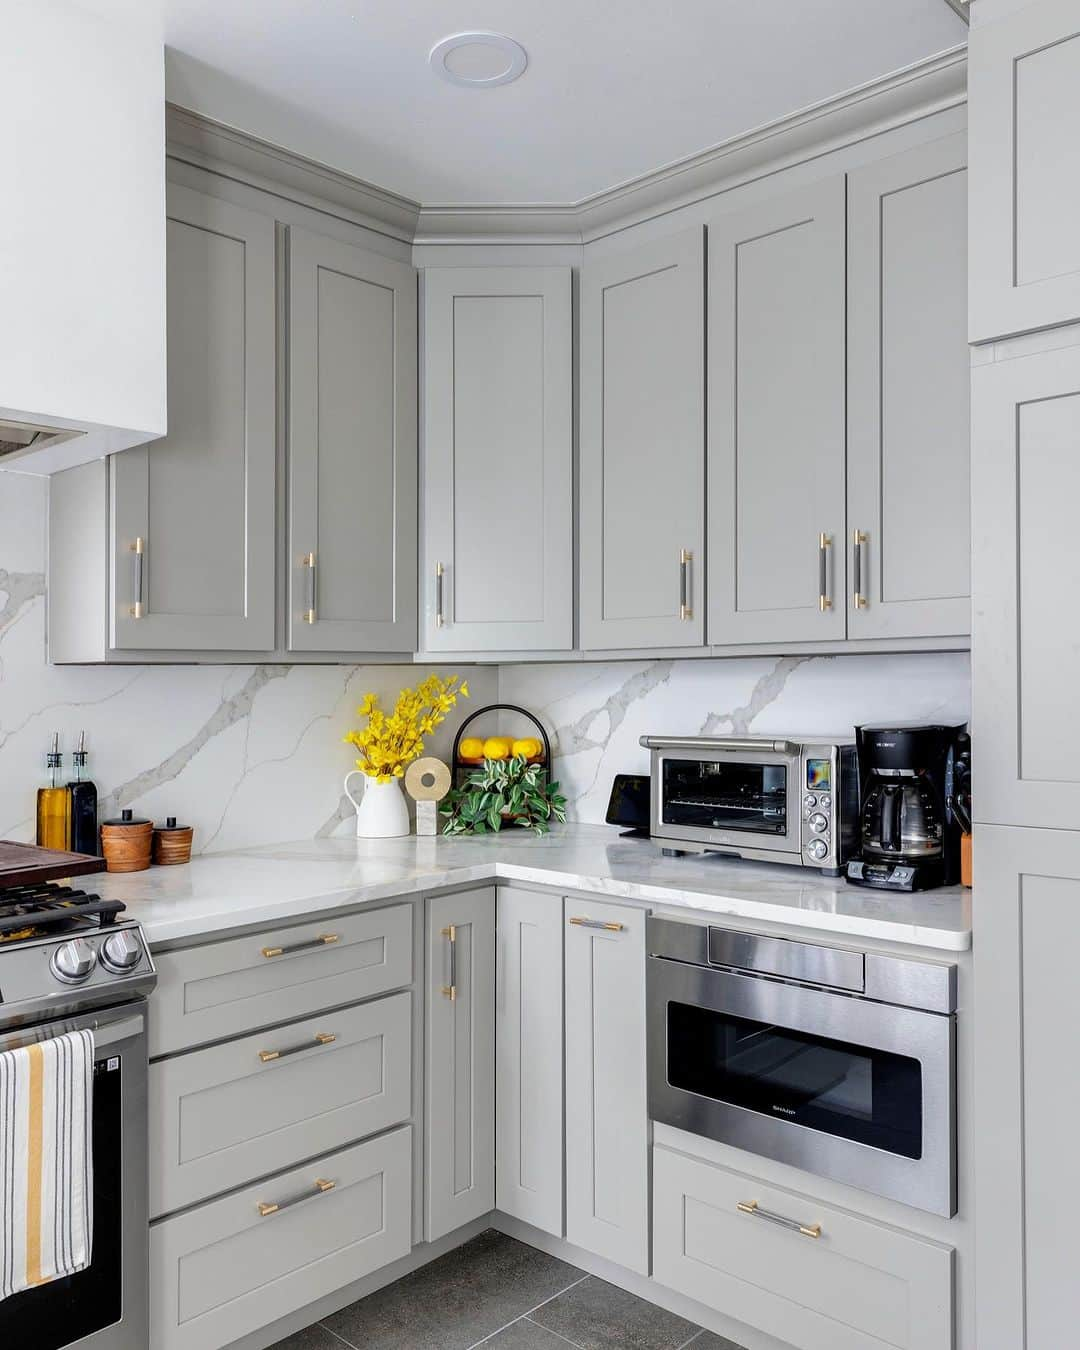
557	1334
331	1332
687	1344
528	1312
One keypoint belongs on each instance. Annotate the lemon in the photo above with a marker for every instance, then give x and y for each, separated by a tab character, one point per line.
528	746
471	750
498	747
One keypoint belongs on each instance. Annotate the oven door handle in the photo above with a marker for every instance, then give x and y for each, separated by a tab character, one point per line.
705	745
105	1034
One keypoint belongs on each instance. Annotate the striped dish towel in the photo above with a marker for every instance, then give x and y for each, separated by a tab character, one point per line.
46	1161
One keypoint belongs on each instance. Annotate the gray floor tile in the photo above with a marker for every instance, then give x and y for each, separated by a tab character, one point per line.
708	1340
457	1300
311	1338
598	1316
524	1335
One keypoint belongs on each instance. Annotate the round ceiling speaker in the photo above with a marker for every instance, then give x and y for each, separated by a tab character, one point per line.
478	60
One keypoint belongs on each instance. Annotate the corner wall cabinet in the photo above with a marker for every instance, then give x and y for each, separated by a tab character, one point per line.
498	457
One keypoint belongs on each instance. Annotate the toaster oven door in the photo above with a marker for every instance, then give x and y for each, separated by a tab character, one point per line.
736	799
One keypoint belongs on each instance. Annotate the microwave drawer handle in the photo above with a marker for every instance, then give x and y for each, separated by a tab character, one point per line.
598	924
323	940
266	1208
755	1211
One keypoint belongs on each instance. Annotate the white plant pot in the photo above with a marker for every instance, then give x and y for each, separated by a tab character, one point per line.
382	812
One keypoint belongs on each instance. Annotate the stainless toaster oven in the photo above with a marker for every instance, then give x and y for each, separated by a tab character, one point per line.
755	797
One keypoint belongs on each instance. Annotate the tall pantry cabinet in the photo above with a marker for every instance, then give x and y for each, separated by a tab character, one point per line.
1024	103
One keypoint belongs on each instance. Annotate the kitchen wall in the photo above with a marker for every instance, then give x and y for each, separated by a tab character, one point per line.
252	754
246	754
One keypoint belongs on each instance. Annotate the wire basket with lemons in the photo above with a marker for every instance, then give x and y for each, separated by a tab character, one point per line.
502	780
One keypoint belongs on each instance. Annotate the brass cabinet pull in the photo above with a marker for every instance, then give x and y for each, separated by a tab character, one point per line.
321	1038
859	540
276	1206
323	940
450	990
686	559
824	596
755	1211
439	572
308	562
598	923
138	560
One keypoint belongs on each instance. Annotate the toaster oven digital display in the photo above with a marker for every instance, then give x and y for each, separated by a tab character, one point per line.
819	775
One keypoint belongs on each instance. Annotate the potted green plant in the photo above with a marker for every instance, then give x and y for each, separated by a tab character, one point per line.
504	792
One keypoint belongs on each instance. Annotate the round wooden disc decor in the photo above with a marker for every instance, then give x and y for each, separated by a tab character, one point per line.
427	780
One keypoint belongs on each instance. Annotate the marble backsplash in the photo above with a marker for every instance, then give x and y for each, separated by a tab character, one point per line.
253	754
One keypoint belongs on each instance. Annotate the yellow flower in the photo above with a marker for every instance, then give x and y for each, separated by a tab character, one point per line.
391	741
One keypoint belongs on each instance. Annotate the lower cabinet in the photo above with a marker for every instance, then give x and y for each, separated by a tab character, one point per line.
234	1265
815	1277
607	1118
459	1108
529	1058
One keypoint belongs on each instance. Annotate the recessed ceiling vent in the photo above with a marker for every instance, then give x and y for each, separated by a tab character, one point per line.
16	437
478	60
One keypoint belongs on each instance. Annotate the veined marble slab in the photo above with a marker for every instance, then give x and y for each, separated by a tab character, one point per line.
269	885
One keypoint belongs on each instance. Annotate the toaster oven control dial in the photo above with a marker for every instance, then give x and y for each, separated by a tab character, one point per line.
817	848
819	823
809	801
121	952
74	961
824	801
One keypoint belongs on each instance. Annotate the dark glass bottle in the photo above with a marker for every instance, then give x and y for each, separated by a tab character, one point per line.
54	805
84	804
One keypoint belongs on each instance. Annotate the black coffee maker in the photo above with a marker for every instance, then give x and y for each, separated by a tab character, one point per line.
909	836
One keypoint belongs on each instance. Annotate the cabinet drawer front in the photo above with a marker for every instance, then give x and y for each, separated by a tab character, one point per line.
224	1115
227	1268
227	988
857	1286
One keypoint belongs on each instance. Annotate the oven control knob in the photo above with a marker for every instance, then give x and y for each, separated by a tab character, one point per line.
121	952
819	823
809	801
825	801
817	848
74	961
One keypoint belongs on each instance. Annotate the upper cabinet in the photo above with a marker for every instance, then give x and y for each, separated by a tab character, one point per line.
1024	97
642	456
776	419
498	459
352	449
908	480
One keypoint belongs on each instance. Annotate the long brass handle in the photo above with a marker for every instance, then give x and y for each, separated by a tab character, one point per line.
751	1207
859	540
138	569
439	572
308	563
686	559
824	596
450	990
323	940
598	923
276	1206
321	1038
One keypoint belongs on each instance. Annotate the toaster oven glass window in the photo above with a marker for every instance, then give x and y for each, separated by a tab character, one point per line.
867	1095
725	796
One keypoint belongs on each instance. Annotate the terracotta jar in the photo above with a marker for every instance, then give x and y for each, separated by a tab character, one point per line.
172	843
126	843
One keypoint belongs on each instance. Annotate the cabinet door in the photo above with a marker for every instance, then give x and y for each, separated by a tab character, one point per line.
201	500
642	454
909	495
1026	483
498	455
352	448
776	419
1027	1092
459	1104
607	1115
1023	109
529	1058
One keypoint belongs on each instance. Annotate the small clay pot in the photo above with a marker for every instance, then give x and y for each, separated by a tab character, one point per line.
172	843
126	843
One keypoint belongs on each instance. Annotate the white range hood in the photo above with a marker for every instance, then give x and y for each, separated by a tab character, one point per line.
82	232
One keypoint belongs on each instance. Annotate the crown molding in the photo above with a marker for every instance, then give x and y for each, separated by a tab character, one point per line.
905	96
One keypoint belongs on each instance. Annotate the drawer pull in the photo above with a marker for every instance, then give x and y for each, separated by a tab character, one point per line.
450	990
598	923
308	562
686	559
859	541
138	559
276	1206
321	1038
824	596
323	940
755	1211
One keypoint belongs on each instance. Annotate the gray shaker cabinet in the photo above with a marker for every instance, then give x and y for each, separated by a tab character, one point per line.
352	449
908	480
498	459
1024	101
776	419
192	515
642	452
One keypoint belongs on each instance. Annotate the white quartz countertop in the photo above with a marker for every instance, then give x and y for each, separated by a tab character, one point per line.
223	891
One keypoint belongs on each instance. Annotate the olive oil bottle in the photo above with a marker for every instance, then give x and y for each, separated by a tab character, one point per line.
84	803
54	804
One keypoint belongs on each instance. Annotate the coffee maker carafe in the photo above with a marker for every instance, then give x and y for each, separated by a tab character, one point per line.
909	837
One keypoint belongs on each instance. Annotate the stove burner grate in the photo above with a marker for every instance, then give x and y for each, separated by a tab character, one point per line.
28	911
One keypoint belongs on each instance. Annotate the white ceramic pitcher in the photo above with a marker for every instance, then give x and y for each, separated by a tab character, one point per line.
381	812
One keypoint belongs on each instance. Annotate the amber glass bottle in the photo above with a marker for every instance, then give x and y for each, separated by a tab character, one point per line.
54	805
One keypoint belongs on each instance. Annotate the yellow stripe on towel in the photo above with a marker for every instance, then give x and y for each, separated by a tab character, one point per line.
33	1168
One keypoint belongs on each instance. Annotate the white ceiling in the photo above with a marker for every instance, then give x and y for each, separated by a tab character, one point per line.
614	88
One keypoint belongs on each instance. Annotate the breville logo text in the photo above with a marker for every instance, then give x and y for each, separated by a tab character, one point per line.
784	1110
